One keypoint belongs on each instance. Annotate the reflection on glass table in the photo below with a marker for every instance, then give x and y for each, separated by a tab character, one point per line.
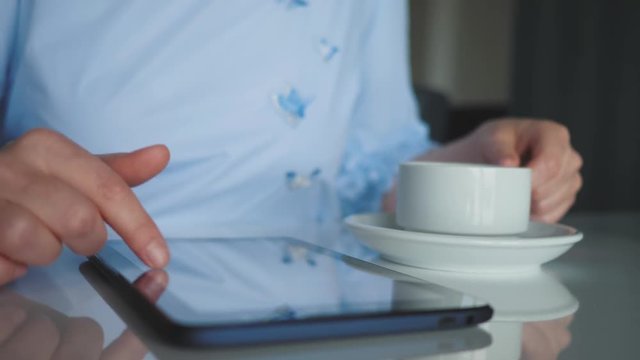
532	311
35	331
31	330
601	271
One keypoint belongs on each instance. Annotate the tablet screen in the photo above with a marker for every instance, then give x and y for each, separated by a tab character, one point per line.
234	281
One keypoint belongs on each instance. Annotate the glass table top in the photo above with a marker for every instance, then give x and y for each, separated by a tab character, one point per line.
580	306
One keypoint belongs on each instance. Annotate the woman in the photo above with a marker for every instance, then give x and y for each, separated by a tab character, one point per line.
273	111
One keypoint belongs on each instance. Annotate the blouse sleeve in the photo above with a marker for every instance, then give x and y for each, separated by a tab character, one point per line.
386	128
8	13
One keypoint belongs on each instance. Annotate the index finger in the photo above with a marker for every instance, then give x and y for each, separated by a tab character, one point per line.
119	207
116	202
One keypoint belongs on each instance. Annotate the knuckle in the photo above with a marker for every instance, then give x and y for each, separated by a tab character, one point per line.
92	244
541	208
539	198
553	166
578	183
81	220
143	234
550	218
144	231
49	255
38	146
536	211
22	238
13	177
111	189
495	135
489	128
86	233
494	129
545	218
18	233
39	137
563	132
536	195
579	161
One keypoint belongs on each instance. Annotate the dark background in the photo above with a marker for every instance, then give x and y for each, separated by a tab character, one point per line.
577	62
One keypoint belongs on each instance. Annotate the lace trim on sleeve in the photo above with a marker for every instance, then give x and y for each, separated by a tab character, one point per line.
365	176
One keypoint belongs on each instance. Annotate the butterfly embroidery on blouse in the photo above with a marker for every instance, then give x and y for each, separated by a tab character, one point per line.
298	181
291	105
295	253
326	49
292	4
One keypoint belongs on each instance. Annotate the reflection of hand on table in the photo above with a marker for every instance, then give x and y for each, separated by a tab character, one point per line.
545	340
29	330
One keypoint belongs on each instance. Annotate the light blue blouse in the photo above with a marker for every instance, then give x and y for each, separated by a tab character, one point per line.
275	112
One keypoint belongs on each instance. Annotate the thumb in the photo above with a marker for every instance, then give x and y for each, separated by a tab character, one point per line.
502	151
140	165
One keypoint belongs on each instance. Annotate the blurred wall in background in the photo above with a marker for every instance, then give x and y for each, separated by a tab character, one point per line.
574	61
578	61
461	60
463	49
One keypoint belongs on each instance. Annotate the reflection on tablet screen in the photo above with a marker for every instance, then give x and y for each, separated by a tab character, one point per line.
264	279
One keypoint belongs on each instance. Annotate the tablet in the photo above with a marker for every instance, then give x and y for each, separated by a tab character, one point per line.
256	291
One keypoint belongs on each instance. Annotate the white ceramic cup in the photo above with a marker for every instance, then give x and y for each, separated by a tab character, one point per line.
470	199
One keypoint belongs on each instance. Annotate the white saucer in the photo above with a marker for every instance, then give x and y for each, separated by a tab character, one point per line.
464	253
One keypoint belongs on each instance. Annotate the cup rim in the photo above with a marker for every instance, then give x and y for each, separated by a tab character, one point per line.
463	165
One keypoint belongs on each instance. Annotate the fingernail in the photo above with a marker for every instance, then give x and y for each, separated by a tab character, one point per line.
156	255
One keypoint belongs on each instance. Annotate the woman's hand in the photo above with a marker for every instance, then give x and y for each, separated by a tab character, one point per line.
544	146
53	192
